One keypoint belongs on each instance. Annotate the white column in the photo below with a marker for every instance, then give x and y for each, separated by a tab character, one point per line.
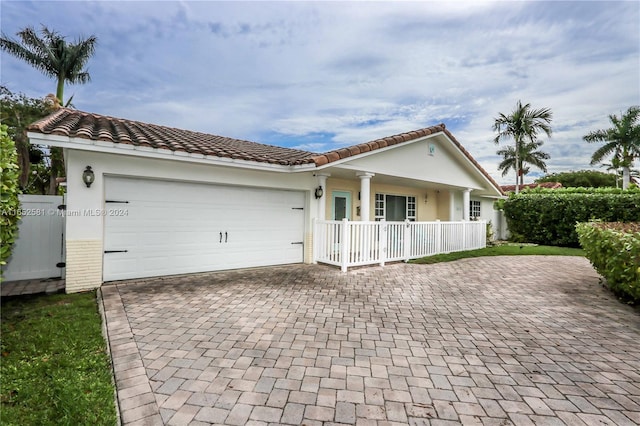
452	206
322	201
466	200
365	194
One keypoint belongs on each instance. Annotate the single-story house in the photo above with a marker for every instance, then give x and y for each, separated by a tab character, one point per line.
146	200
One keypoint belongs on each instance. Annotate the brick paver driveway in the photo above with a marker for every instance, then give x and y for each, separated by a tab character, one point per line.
505	340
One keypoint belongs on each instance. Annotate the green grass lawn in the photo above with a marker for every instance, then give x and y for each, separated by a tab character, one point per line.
54	367
511	249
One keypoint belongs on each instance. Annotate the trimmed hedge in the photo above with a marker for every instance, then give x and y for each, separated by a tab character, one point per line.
549	216
614	251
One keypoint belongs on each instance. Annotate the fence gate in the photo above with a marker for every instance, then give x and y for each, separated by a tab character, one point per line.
38	249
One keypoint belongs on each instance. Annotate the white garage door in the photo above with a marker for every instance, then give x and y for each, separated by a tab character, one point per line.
155	227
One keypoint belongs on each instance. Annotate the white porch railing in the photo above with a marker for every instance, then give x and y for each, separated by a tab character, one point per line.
346	243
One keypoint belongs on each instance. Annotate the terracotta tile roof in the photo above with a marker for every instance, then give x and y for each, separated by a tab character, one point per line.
549	185
339	154
78	124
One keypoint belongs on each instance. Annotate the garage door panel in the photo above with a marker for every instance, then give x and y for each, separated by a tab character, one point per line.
118	262
175	227
157	263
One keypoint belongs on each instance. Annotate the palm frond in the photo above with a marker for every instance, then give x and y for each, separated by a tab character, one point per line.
48	52
604	151
622	140
30	56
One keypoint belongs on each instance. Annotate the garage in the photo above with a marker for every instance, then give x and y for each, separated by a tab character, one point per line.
158	227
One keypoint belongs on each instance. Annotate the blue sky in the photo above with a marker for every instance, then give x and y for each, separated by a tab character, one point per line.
322	75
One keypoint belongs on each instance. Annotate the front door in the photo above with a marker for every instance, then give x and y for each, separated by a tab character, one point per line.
341	205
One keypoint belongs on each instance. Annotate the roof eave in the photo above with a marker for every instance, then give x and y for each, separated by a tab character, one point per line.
474	163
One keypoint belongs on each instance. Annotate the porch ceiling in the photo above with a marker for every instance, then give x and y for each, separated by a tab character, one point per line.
348	173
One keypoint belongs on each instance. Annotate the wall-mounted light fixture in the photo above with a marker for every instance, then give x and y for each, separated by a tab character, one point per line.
319	192
88	176
426	198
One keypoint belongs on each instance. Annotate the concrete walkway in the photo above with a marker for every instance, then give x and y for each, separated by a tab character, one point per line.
486	341
25	287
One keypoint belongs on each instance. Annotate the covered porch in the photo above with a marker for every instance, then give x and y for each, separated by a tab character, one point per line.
367	218
403	202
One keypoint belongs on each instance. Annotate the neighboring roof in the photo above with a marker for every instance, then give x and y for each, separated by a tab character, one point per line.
549	185
78	124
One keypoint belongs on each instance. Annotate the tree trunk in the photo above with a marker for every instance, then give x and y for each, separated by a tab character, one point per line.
60	89
57	160
56	168
22	147
53	176
517	165
625	177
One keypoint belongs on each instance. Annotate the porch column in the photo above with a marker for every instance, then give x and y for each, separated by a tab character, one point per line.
365	194
466	201
452	206
322	201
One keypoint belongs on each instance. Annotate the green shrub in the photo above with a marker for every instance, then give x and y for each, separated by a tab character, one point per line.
614	251
585	178
548	216
9	203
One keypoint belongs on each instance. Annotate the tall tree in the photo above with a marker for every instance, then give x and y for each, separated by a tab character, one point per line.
622	141
17	111
522	125
529	154
50	53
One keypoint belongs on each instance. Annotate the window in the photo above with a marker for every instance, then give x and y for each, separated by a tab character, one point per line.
379	209
411	208
395	207
474	210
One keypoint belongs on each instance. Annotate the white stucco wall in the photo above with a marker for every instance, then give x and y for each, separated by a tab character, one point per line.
415	161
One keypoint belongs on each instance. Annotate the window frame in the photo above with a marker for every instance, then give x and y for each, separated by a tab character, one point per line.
411	206
475	209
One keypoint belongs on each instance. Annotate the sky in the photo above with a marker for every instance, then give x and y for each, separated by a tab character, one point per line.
323	75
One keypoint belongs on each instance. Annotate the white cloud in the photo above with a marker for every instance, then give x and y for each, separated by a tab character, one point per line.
324	74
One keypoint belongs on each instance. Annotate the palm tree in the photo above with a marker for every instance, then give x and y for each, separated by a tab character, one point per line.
622	140
50	53
529	154
615	165
523	124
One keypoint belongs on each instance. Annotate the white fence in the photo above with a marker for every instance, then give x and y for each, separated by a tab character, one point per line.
38	248
345	243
